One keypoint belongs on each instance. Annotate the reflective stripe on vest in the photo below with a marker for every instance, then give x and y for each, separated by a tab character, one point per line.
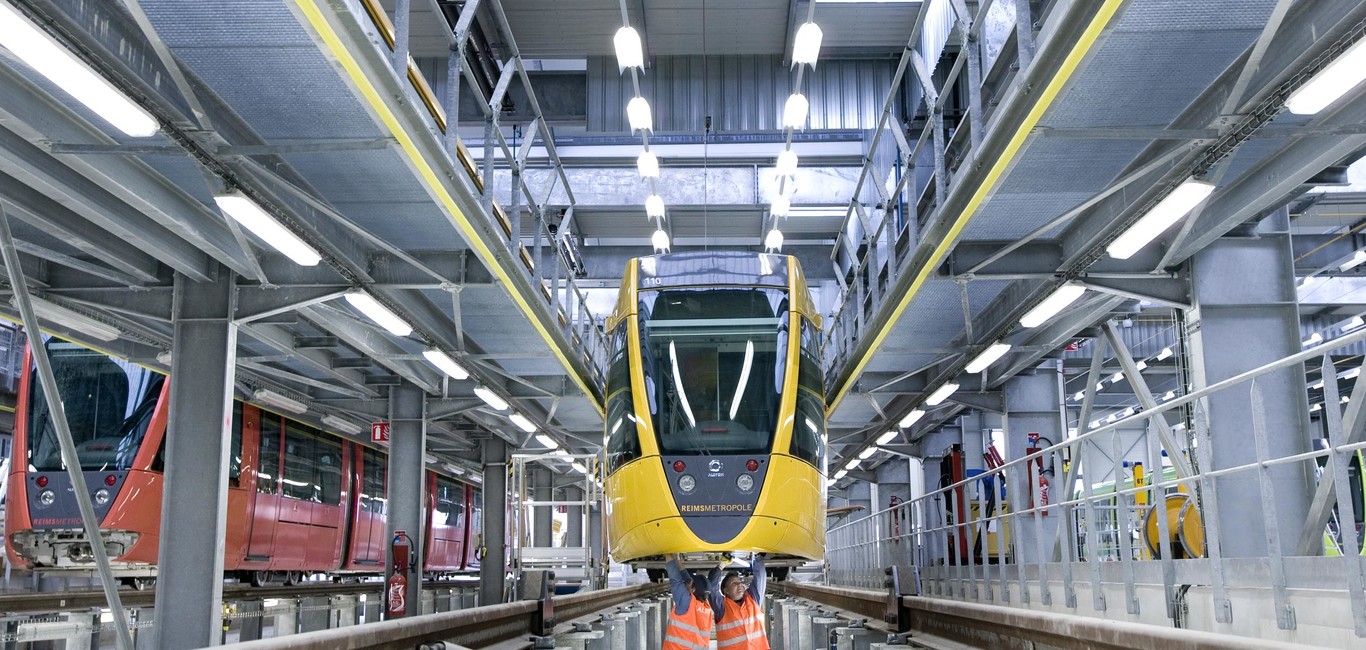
741	626
690	630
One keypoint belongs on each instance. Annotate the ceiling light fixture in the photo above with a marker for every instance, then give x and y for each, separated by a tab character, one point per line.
1059	300
853	464
1314	339
367	305
342	425
445	363
491	398
578	467
654	206
794	111
940	394
787	163
1165	353
660	240
867	453
987	357
781	206
774	240
1168	211
59	315
911	418
31	45
1116	378
648	164
887	437
547	441
1358	258
806	46
522	422
1331	83
638	114
254	218
271	398
1353	324
630	54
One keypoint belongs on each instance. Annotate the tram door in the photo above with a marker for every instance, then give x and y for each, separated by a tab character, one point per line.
266	513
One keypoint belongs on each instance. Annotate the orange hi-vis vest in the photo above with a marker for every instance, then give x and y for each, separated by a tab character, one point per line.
690	630
741	626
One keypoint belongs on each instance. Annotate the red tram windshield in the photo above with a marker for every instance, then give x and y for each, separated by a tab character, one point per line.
108	402
714	364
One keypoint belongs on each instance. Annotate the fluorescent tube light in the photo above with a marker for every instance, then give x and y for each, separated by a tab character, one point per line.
787	163
887	437
853	464
274	399
1332	82
378	313
1318	385
252	217
806	46
522	422
445	363
794	111
781	206
1314	339
34	47
654	206
774	240
578	467
940	394
491	398
647	163
638	114
1116	378
1353	324
630	54
987	357
1165	353
58	315
1316	407
1059	300
817	211
1358	258
911	418
1141	365
1169	395
1351	374
660	240
867	453
342	425
547	441
1167	212
840	474
1079	396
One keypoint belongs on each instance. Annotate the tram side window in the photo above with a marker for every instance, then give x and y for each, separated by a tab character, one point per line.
449	502
372	492
299	473
267	476
623	442
808	426
235	450
328	464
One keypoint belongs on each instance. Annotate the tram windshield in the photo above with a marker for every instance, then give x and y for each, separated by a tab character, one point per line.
712	361
109	404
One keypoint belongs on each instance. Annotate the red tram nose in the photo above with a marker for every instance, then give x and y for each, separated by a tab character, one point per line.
679	466
752	465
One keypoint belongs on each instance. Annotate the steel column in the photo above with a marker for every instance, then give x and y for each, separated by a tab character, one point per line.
542	516
494	564
1244	291
407	480
190	572
1031	407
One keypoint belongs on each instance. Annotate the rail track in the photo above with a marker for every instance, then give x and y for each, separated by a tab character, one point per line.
66	601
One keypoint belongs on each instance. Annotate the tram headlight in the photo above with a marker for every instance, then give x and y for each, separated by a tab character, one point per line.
745	482
46	498
101	496
687	483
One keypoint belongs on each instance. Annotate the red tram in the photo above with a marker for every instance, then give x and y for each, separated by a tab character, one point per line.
300	500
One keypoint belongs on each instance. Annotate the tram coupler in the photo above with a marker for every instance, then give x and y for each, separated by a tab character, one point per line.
901	581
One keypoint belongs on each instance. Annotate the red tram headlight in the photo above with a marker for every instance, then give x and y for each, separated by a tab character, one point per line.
111	480
752	465
42	481
679	466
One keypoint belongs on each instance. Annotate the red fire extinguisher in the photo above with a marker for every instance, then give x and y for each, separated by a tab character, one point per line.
1037	469
396	592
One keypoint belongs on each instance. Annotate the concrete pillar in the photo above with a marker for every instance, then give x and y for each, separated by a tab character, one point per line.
407	480
973	440
1031	407
542	517
189	593
574	533
1246	316
494	565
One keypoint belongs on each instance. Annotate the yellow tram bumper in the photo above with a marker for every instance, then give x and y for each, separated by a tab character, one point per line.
643	520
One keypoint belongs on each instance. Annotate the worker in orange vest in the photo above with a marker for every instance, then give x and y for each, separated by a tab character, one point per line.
740	610
691	620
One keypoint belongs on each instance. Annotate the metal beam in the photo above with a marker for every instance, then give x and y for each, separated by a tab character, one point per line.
1145	398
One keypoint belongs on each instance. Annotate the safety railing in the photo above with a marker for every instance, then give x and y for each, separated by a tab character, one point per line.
1151	543
554	274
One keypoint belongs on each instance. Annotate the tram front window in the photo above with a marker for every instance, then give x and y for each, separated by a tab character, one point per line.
109	404
713	369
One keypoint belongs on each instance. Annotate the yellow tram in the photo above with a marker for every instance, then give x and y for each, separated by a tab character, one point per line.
715	427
